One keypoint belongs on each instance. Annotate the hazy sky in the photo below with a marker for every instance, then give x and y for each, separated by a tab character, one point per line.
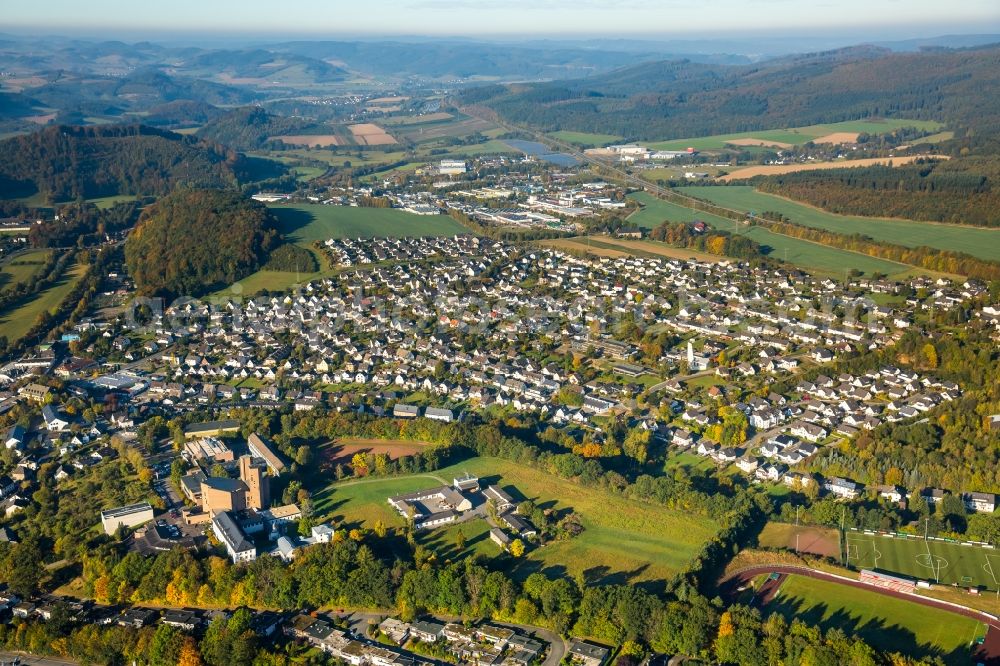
510	17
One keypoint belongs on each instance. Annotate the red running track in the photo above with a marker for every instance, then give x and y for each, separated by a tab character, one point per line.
988	653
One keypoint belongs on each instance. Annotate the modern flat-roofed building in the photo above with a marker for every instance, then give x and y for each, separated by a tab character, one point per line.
208	448
130	516
211	428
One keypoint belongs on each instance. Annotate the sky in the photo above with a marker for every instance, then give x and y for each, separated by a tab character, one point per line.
893	18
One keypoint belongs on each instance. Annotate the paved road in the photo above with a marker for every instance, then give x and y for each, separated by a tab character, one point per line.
988	653
9	657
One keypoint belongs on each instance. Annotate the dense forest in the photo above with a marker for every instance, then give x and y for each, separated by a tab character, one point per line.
65	163
677	99
192	241
959	191
251	127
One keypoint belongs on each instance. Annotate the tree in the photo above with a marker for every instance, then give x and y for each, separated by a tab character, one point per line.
929	352
165	648
636	444
303	456
516	548
189	655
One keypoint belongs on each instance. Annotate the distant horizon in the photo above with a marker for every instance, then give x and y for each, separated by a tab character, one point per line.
733	42
656	20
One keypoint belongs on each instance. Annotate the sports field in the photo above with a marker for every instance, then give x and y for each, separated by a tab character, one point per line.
822	541
623	540
941	562
796	135
306	223
813	257
886	623
977	241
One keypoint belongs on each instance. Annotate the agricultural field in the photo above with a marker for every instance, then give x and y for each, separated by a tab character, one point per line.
623	540
607	246
810	256
22	267
438	117
319	140
778	169
978	241
369	134
14	323
307	223
453	127
585	139
886	623
304	224
342	450
948	563
795	136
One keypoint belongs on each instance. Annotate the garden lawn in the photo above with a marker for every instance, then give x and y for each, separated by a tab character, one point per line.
623	540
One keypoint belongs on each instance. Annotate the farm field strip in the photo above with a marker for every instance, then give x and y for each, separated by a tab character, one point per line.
778	169
794	135
980	242
811	256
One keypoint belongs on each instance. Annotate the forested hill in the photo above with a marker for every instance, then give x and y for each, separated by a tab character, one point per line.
250	127
663	100
67	162
193	241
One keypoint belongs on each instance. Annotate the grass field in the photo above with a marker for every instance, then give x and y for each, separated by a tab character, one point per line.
585	139
796	135
306	223
623	540
934	561
303	224
813	257
888	624
15	323
22	267
979	242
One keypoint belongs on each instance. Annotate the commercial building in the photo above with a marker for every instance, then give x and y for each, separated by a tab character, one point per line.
130	516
